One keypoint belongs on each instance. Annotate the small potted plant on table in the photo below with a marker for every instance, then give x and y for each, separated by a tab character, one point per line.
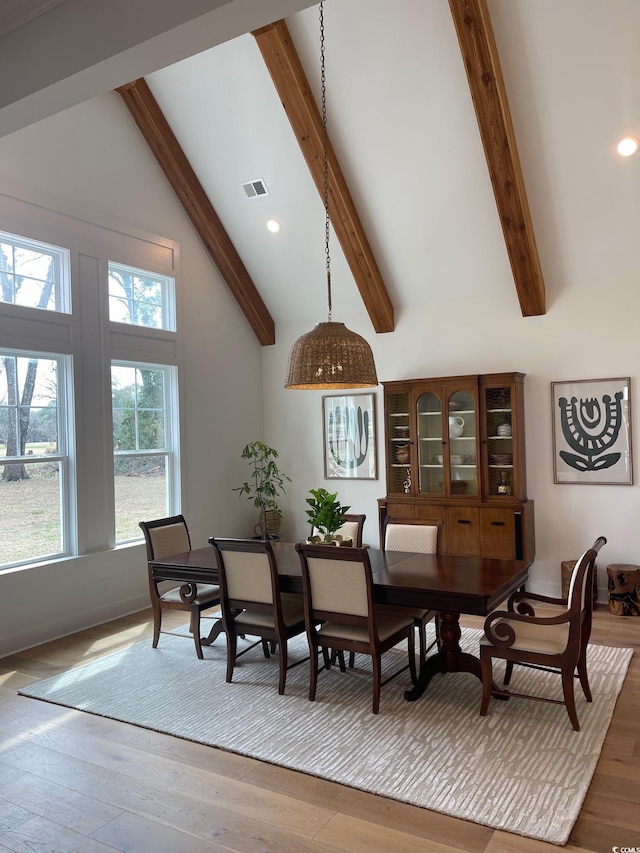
326	514
264	486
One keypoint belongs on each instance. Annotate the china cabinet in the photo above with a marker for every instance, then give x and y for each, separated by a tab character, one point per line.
455	452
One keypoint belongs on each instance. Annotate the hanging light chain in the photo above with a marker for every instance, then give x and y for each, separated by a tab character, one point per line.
325	158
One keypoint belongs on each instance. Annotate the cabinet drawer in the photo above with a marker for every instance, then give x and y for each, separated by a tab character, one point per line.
400	510
497	533
463	530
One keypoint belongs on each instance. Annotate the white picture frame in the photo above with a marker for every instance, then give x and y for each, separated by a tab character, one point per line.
349	436
591	421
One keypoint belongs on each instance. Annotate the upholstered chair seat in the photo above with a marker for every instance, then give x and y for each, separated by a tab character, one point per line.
546	639
205	592
292	614
387	623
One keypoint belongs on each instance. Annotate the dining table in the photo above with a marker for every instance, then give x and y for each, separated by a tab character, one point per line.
451	584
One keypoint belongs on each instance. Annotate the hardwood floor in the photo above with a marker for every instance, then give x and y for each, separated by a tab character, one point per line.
76	783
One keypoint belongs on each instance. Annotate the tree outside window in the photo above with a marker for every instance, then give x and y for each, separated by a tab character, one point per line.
32	478
140	298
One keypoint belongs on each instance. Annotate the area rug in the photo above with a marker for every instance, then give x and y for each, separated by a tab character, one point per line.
521	769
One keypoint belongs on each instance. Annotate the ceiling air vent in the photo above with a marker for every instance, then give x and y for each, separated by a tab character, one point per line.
255	188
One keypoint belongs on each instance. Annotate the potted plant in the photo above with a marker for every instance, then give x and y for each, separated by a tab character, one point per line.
265	484
326	514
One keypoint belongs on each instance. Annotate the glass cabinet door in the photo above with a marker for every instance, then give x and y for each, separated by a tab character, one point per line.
500	442
399	443
431	451
463	443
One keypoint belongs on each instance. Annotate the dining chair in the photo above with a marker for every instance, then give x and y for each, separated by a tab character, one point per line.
556	640
341	615
164	537
252	602
533	604
409	534
353	526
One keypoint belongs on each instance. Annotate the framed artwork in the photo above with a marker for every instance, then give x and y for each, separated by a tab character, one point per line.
592	432
349	433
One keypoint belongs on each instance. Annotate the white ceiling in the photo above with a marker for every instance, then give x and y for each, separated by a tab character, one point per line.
402	123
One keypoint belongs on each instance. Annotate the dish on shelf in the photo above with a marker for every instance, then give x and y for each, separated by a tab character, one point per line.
438	460
501	458
403	453
456	459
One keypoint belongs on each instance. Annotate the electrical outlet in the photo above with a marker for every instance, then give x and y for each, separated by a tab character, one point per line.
105	584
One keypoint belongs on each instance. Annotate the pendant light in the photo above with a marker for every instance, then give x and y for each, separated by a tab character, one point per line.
330	356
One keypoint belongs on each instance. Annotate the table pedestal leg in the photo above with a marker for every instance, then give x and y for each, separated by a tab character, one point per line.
216	629
450	657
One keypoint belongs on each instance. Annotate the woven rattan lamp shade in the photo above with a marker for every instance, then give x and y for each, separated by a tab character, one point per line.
330	356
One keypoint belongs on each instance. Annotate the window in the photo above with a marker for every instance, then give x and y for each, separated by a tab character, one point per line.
141	298
33	274
34	476
144	445
63	302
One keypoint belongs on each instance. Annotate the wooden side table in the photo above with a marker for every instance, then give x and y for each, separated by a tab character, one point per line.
566	572
624	589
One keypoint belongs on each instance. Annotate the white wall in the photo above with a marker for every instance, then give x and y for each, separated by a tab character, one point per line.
91	163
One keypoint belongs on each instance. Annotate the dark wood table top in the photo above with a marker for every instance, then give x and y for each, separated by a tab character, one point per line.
465	584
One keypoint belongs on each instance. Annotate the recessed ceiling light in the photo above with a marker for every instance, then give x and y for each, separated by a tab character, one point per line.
628	145
273	225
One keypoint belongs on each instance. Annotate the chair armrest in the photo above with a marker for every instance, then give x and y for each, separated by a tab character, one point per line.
499	630
188	592
519	602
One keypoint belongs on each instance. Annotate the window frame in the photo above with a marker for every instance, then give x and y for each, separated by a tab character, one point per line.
171	449
64	457
62	291
168	291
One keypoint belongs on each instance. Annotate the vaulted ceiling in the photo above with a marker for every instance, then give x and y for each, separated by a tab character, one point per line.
482	63
450	127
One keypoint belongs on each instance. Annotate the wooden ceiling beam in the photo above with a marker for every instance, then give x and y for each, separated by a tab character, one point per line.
161	140
482	64
287	73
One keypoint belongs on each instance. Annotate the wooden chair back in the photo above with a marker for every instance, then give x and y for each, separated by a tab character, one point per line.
248	574
166	536
337	582
353	526
408	534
